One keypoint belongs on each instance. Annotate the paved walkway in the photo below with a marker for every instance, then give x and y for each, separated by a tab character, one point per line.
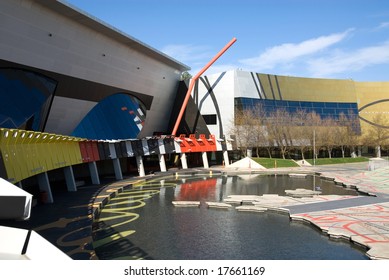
338	204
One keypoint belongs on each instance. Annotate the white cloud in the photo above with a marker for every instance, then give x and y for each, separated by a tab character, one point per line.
315	57
383	25
285	54
187	53
196	57
341	61
214	69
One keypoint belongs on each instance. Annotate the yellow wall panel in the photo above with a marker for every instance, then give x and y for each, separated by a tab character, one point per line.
28	153
317	90
374	94
373	99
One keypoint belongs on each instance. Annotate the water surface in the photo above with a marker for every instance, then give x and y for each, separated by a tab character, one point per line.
152	228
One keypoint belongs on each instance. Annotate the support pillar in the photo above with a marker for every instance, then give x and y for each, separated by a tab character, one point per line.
162	163
378	151
94	174
226	159
69	178
205	159
141	167
118	169
184	163
45	188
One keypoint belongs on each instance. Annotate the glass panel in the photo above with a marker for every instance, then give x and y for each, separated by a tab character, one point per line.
294	103
329	111
323	109
25	99
119	116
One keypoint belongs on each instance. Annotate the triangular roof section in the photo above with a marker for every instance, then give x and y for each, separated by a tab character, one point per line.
247	162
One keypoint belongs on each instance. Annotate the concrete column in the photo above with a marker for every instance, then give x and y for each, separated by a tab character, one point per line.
184	163
205	159
69	178
141	167
118	169
94	174
378	151
162	163
226	159
45	188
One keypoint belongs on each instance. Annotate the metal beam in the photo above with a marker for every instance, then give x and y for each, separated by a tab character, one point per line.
193	81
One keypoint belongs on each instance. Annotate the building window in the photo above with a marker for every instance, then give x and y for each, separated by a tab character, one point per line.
332	110
25	99
210	119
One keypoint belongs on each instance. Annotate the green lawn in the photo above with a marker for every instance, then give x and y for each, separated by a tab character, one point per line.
321	161
277	162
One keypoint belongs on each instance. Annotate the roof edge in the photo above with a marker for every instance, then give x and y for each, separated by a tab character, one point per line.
76	14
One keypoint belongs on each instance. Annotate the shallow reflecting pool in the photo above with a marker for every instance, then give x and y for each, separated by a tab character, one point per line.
141	222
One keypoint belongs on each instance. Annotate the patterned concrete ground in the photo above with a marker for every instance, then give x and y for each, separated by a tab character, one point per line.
363	220
367	225
372	182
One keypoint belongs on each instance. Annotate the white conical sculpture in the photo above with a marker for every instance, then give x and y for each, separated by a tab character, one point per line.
246	163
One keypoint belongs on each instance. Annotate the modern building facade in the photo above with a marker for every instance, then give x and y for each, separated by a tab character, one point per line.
63	71
220	96
81	99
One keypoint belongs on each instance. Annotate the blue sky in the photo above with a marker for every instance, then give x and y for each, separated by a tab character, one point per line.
346	39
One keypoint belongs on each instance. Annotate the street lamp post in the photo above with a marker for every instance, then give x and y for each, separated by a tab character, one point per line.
314	147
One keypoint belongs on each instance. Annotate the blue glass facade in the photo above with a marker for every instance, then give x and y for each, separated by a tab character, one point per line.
323	109
119	116
25	99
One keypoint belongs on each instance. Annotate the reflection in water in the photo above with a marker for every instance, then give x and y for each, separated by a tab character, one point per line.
197	190
161	231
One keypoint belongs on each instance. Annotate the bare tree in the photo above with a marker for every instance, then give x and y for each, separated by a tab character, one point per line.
347	133
313	121
302	132
378	133
259	131
243	130
279	128
328	133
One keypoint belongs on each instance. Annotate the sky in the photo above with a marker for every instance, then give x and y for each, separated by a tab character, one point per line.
339	39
